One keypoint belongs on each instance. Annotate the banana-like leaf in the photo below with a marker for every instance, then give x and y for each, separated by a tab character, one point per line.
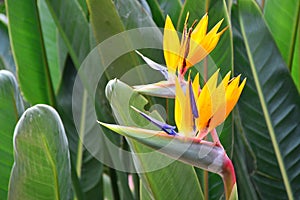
69	16
283	25
296	61
73	26
51	39
11	108
285	29
29	51
106	23
157	13
6	58
133	15
157	183
242	151
42	160
171	8
269	109
83	6
86	167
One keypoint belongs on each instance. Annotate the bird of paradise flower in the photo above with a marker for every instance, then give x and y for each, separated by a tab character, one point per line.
198	111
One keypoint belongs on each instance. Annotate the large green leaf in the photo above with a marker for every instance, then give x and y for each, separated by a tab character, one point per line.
157	182
283	25
285	28
161	8
29	51
133	16
269	109
51	39
171	8
6	58
243	154
296	61
72	26
88	169
11	108
106	23
157	13
42	160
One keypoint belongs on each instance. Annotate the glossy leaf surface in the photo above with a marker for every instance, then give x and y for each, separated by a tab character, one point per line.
273	103
29	51
11	108
42	160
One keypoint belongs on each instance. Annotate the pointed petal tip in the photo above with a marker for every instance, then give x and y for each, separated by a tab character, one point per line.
109	126
243	83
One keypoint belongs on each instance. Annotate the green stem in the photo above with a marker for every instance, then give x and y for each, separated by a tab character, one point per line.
75	182
81	135
114	184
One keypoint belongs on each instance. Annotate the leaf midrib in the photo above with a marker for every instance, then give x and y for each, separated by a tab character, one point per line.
53	167
294	37
266	114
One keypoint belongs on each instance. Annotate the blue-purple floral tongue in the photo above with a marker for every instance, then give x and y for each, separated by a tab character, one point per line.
193	101
163	126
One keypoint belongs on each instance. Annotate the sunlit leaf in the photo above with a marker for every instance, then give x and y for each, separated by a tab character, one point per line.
42	160
11	108
283	26
52	44
29	51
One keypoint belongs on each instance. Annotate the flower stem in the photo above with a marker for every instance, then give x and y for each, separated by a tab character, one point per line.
228	176
206	184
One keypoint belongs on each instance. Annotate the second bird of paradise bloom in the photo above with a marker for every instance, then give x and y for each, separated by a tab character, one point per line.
199	111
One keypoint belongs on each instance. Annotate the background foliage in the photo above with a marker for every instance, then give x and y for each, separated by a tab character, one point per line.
44	42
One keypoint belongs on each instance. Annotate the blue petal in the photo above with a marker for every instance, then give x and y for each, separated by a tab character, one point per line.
193	101
163	126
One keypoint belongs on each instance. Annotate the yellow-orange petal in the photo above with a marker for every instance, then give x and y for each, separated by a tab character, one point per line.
200	30
171	45
196	86
179	102
205	102
233	91
183	111
232	99
201	48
